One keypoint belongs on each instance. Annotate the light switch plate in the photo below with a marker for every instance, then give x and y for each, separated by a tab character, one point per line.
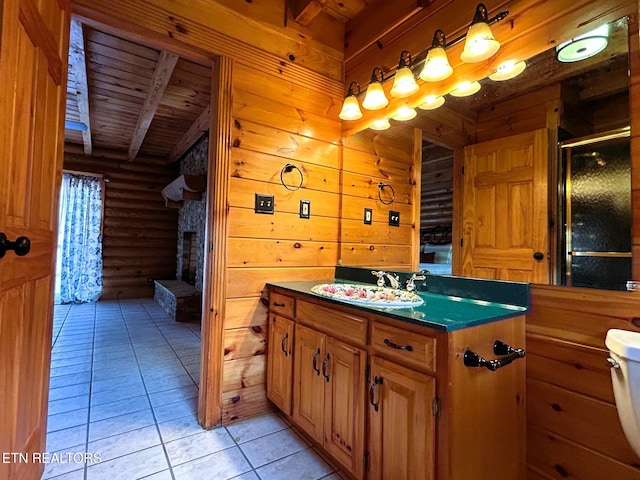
305	208
394	218
264	203
368	216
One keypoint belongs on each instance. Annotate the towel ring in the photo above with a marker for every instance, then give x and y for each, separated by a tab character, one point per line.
393	193
286	169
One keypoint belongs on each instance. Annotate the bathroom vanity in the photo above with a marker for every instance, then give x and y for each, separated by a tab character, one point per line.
385	392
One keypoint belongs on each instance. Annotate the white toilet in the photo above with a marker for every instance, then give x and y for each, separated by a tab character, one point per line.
624	347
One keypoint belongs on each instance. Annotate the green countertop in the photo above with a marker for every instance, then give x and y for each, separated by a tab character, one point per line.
439	311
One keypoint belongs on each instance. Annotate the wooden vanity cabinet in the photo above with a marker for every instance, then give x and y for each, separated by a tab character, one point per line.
280	362
401	427
428	416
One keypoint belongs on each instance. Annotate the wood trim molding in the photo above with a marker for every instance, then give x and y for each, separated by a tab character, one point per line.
215	276
78	65
161	75
416	180
634	109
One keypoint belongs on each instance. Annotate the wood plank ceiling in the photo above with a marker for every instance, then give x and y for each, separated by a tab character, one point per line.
131	99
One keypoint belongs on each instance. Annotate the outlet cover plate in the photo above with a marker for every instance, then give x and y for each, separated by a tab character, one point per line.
368	216
305	208
264	203
394	218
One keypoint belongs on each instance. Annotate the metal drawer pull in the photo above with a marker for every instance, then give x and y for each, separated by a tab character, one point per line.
284	339
472	359
276	304
324	367
314	363
376	381
390	344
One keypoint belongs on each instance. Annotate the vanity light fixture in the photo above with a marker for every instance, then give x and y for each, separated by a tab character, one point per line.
584	46
375	99
431	102
380	124
508	70
464	89
480	43
405	113
436	66
350	106
404	83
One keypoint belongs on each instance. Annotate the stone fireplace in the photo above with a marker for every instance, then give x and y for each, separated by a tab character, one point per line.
182	298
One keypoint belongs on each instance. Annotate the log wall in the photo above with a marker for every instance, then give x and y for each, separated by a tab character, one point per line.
139	233
573	429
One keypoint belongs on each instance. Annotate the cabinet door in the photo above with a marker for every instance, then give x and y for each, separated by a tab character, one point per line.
308	383
402	427
280	362
344	409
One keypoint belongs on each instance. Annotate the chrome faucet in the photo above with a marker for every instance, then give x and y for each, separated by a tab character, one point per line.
411	286
394	280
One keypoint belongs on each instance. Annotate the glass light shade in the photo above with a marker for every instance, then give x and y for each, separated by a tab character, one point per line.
405	113
375	99
480	43
350	109
508	70
404	84
436	66
381	124
431	103
464	89
584	46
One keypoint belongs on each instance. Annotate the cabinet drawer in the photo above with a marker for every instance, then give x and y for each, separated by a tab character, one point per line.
281	304
339	324
408	347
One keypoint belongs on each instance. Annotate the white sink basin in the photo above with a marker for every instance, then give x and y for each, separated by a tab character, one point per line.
370	295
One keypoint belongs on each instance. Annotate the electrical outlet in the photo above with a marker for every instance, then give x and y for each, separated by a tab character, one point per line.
305	208
264	203
368	216
394	218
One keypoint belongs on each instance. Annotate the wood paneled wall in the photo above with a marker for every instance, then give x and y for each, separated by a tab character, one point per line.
139	233
369	159
272	127
573	428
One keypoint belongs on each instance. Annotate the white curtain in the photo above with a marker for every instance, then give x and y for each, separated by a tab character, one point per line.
79	255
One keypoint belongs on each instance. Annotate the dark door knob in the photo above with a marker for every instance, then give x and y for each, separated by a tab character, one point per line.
21	246
538	255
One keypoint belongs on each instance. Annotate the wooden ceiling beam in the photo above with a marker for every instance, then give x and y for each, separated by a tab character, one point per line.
78	67
305	11
191	136
161	76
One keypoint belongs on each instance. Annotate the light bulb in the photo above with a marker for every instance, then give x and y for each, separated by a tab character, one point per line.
464	89
431	103
480	43
381	124
375	99
350	109
405	113
436	66
508	70
404	84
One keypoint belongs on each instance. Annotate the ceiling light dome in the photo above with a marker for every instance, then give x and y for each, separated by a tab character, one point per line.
584	46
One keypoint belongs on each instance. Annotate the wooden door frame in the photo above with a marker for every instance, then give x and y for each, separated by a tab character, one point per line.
220	128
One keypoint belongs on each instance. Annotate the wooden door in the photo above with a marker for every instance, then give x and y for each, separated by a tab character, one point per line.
280	362
308	381
505	209
402	429
33	61
344	405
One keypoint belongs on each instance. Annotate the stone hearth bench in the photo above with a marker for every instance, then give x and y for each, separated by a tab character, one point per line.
182	301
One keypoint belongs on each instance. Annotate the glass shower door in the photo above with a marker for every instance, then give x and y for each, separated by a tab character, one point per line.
597	211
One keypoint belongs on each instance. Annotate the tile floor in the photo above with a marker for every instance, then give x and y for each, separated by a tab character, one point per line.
124	384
